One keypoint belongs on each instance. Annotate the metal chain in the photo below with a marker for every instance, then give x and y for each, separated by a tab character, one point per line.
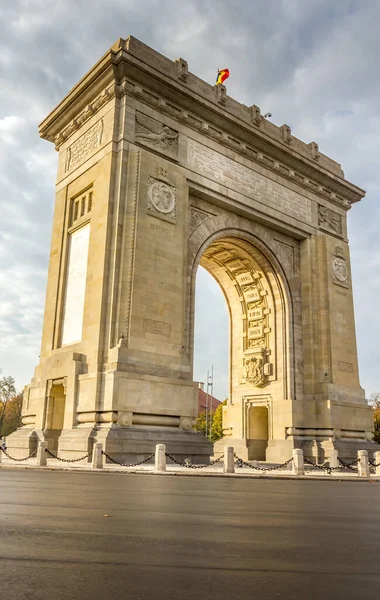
373	464
348	465
19	459
189	466
324	467
67	460
242	463
127	464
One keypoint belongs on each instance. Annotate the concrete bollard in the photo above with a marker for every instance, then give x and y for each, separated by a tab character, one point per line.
97	456
41	460
333	460
376	457
298	466
363	464
160	459
229	460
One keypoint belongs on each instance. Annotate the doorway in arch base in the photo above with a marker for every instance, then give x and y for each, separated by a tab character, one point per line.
261	354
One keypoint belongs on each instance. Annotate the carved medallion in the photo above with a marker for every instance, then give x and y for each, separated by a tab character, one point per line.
340	269
161	199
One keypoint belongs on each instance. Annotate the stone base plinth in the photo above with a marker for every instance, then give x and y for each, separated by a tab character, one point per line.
133	444
24	441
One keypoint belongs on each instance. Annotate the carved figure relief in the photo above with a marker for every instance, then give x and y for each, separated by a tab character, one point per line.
153	133
161	200
329	220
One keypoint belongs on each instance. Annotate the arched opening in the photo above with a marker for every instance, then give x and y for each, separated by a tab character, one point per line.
211	343
260	373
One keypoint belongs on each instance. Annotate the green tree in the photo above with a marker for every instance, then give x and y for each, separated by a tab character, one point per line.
374	402
7	392
217	423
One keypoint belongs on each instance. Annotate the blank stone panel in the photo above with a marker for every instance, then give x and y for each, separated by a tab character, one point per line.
75	286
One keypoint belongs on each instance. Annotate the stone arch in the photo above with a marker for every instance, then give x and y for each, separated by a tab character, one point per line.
258	283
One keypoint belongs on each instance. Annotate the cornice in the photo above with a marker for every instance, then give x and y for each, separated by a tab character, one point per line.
190	100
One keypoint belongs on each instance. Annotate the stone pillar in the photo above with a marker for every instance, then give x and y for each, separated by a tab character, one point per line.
376	457
41	460
363	464
229	464
1	454
333	460
298	466
97	456
160	459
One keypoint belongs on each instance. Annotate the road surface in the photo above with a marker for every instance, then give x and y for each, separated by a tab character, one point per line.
186	538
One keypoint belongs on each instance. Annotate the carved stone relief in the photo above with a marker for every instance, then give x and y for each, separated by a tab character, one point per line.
288	252
346	367
157	327
254	370
154	134
329	220
196	217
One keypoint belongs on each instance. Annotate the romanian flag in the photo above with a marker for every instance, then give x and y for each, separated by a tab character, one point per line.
222	75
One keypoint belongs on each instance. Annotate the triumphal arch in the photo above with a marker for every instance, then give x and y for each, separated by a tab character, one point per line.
160	172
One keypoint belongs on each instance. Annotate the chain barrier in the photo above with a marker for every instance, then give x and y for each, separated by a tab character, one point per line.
67	460
324	467
190	466
127	464
349	466
372	463
241	463
18	459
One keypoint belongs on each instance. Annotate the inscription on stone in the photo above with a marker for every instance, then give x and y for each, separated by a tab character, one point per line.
83	145
157	327
244	278
252	295
255	313
244	180
256	331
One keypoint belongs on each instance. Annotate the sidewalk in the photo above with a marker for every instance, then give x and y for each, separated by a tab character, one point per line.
173	469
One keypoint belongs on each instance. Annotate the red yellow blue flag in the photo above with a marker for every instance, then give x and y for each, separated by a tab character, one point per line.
222	75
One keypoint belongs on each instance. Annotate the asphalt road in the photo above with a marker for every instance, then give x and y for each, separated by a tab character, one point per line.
181	538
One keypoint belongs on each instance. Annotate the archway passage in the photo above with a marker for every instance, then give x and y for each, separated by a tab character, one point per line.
259	371
211	334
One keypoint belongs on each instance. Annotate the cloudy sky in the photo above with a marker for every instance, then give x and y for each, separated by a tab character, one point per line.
312	63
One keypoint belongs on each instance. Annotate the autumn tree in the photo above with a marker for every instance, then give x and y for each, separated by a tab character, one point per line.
217	423
7	392
374	402
12	419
